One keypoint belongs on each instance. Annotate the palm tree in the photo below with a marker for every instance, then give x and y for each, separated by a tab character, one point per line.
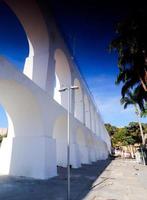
129	79
131	46
144	112
131	99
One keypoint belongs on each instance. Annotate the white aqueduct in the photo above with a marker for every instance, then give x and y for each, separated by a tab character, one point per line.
37	112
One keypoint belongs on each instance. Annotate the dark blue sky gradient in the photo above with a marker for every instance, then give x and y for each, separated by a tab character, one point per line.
13	40
88	27
13	45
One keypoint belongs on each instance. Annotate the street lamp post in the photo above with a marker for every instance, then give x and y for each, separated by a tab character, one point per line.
68	136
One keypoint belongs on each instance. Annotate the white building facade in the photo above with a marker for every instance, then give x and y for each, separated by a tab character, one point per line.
37	112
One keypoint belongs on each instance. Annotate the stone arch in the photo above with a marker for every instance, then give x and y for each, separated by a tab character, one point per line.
63	77
25	127
82	146
103	150
78	101
25	112
87	111
3	117
37	62
91	145
60	134
60	129
81	140
13	39
92	118
8	123
29	149
97	124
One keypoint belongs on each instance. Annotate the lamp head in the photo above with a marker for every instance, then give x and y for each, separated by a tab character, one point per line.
74	87
63	89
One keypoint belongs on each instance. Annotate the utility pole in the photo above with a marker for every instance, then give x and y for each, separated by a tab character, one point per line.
68	89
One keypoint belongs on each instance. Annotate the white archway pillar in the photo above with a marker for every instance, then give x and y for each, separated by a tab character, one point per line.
95	121
29	149
92	119
63	77
60	134
82	146
36	65
78	102
87	112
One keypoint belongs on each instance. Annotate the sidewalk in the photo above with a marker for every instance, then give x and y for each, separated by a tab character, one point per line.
122	180
103	180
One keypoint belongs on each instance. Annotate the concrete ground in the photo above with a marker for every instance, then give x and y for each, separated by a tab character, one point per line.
103	180
20	188
122	180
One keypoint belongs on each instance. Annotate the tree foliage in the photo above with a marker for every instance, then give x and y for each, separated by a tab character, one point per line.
1	138
144	112
131	46
122	138
127	135
111	129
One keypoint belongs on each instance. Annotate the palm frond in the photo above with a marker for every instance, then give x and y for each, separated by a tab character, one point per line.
127	86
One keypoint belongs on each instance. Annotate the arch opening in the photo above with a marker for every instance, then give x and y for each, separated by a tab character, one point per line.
30	39
3	123
25	112
87	111
92	119
13	39
91	144
25	131
63	78
78	102
82	147
97	124
81	140
60	134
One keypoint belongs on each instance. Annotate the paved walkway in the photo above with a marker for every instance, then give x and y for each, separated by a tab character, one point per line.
122	180
104	180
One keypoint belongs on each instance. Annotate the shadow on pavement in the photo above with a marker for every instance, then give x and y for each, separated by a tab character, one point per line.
89	173
21	188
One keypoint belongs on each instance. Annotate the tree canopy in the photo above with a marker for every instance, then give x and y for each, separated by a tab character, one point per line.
127	135
131	46
111	129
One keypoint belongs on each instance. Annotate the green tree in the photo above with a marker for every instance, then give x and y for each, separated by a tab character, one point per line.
111	129
1	138
134	130
127	135
122	138
144	112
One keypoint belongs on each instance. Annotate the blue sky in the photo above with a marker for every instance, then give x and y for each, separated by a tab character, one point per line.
92	28
13	45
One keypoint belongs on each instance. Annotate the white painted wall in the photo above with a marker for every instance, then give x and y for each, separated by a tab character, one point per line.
78	102
87	111
29	149
82	146
34	25
36	140
63	77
